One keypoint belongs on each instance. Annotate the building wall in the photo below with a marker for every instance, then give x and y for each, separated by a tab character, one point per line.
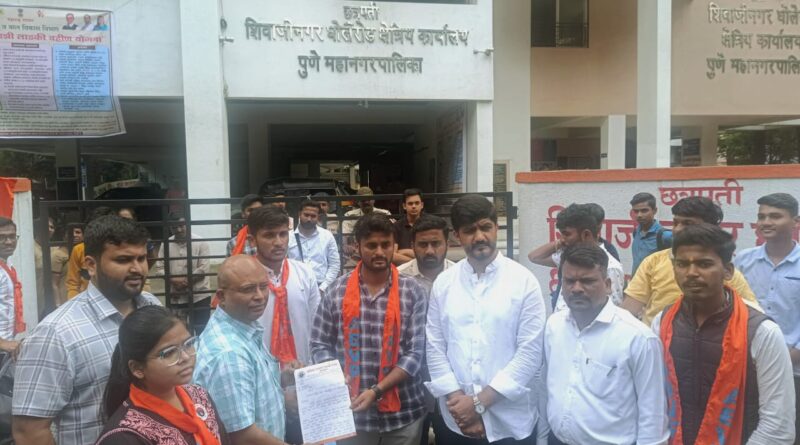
146	44
601	80
594	81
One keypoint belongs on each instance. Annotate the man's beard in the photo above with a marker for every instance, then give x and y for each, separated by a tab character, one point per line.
116	290
308	225
431	262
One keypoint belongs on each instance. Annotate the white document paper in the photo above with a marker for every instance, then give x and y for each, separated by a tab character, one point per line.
323	400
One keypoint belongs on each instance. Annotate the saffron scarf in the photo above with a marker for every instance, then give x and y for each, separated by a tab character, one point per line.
724	415
19	320
282	339
390	349
186	421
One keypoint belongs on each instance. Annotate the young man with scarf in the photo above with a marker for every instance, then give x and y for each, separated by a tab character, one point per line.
11	321
292	301
240	243
484	338
729	376
373	321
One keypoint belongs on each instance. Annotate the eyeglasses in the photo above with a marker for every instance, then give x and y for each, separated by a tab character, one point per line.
4	238
173	354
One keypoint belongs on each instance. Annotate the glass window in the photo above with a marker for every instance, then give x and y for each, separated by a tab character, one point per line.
560	23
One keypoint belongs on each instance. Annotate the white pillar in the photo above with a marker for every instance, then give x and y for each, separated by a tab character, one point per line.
23	257
654	59
480	154
511	25
708	144
612	142
205	114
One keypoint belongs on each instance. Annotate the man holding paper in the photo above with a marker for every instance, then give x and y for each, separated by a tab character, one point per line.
373	322
486	317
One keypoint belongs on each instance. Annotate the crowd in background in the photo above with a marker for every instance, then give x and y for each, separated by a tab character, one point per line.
701	346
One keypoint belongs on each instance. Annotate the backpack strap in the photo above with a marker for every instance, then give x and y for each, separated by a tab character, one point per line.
299	246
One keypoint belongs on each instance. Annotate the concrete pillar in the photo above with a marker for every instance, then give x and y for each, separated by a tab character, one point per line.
258	153
612	142
708	144
480	154
205	114
654	60
511	25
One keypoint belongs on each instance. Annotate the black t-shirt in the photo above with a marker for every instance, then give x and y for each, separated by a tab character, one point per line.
402	231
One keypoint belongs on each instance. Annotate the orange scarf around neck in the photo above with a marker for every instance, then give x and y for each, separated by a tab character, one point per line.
186	421
19	320
282	339
390	349
241	241
724	416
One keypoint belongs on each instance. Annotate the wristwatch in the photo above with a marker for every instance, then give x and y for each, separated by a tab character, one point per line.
378	392
479	408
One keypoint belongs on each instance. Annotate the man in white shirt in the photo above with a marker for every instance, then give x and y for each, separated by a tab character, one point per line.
486	317
604	368
9	286
315	246
180	283
429	242
577	225
291	304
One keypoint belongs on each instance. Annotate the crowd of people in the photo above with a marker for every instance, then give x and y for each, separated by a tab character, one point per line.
701	346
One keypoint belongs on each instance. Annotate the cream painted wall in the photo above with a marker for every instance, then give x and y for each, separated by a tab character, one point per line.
601	80
595	81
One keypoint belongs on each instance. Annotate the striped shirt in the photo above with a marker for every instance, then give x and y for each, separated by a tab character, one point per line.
240	374
327	343
64	365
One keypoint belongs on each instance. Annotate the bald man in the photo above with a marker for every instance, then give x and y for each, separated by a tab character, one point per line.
241	375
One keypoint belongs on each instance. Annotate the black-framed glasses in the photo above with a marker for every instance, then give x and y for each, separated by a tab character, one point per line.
172	355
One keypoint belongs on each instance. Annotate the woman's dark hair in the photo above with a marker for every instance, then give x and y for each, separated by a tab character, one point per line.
709	236
114	230
139	333
469	209
267	217
373	223
699	207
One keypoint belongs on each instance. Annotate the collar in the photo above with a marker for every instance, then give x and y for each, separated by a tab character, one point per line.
416	272
490	268
653	228
298	232
252	330
793	256
365	290
100	304
273	274
606	315
720	316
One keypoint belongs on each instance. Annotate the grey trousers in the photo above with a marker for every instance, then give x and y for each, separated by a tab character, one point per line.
407	435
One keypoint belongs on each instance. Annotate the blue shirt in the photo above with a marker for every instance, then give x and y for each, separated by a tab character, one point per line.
240	374
777	289
646	243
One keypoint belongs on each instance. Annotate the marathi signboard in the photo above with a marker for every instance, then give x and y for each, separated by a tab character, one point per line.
56	74
335	49
734	188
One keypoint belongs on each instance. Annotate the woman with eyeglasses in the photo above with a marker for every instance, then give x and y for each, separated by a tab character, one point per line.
148	398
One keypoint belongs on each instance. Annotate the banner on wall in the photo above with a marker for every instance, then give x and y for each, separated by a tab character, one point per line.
56	74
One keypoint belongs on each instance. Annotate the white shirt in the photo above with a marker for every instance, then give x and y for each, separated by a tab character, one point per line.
411	269
178	266
6	305
303	299
776	404
320	252
483	331
605	384
615	273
